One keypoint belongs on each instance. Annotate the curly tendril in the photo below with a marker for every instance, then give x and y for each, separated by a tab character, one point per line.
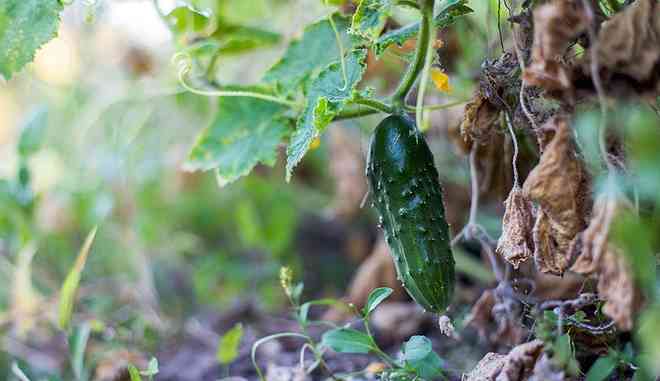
183	60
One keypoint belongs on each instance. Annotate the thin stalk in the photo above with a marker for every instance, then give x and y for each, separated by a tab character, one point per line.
375	104
437	107
408	3
352	113
419	114
184	70
389	360
413	71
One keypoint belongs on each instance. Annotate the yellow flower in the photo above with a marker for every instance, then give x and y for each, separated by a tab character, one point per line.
441	80
315	143
286	278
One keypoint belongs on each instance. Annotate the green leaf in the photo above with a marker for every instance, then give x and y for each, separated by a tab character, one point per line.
185	19
416	348
229	344
601	369
304	309
327	95
375	298
236	39
418	354
244	132
78	344
450	11
32	132
370	17
306	56
134	373
647	334
25	25
564	354
347	340
72	281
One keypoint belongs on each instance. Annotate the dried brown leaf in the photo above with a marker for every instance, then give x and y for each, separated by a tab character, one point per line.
516	244
477	125
520	361
560	186
481	314
488	368
600	256
497	316
629	42
593	240
556	24
617	286
548	255
547	370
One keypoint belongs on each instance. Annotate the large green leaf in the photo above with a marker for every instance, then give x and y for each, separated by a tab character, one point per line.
244	132
223	36
370	17
25	25
419	355
347	340
235	39
327	94
306	56
450	11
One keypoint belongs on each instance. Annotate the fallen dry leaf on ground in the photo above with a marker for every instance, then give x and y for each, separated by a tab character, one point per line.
515	243
518	365
497	316
559	185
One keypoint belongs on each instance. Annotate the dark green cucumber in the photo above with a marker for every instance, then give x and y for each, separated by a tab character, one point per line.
406	191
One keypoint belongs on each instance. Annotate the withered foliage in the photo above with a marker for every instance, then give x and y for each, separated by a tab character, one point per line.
491	311
559	184
600	257
477	125
628	44
515	243
556	24
518	365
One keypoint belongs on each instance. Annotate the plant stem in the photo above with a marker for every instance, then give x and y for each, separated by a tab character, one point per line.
375	105
352	113
438	107
408	3
399	96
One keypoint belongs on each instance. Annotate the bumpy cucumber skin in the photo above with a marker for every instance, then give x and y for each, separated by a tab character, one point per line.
406	191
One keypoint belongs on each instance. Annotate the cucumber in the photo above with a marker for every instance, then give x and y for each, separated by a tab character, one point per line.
406	192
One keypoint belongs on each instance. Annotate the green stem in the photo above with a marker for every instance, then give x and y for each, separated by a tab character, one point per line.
356	112
408	3
411	75
438	107
375	105
384	356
